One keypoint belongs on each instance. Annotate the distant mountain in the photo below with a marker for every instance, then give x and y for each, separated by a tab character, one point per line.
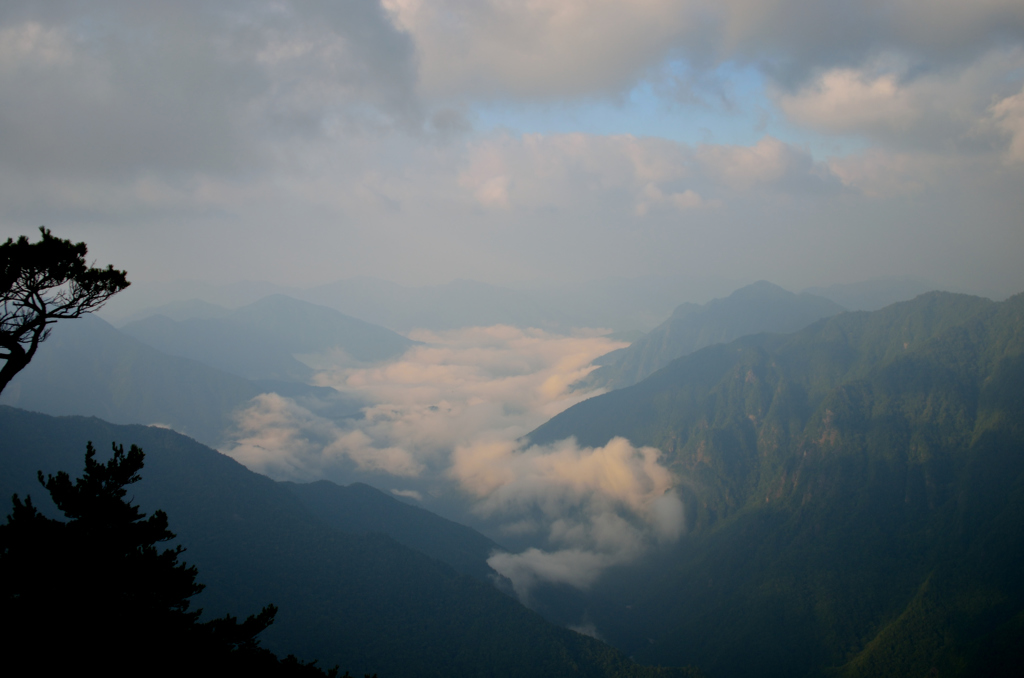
87	367
260	340
364	602
760	307
871	295
854	496
622	305
617	304
186	309
462	303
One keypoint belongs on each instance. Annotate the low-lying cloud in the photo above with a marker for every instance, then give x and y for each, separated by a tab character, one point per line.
453	411
595	506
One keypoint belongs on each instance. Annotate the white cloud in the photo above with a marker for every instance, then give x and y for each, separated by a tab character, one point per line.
575	567
565	171
496	381
938	110
278	437
452	411
571	48
1008	117
595	506
846	99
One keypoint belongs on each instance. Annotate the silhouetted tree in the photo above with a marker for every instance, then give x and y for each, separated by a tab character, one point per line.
96	592
41	283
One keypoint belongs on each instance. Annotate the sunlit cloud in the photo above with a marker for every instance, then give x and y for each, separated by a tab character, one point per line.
454	410
595	507
447	392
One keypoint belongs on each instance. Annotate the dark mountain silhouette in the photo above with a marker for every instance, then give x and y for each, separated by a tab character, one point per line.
361	509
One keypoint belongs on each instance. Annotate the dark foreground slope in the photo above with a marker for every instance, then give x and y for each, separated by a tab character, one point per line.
364	602
854	493
361	509
760	307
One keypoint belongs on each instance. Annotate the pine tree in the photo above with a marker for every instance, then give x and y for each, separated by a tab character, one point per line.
96	591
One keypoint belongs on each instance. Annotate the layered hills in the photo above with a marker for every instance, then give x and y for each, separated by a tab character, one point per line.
362	601
760	307
88	367
260	340
854	496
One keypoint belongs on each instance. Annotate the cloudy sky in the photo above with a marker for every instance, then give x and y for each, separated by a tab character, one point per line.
803	141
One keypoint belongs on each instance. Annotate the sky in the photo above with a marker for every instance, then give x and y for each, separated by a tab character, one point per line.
521	142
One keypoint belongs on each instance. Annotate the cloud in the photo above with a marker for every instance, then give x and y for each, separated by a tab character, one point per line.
1008	116
575	48
574	567
650	175
180	140
768	164
115	87
595	507
455	387
451	413
282	439
890	102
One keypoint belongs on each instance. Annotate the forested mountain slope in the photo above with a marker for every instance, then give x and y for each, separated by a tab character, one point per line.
760	307
362	601
854	495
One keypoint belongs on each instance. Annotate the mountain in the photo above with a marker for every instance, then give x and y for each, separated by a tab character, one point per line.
760	307
461	303
364	602
260	340
87	367
871	295
619	304
361	509
185	309
854	496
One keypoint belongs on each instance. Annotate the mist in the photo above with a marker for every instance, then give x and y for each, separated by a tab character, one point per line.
450	416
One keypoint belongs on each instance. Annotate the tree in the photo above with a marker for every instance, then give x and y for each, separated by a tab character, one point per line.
41	283
96	592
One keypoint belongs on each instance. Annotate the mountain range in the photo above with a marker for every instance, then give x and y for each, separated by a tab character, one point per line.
760	307
853	492
854	497
260	340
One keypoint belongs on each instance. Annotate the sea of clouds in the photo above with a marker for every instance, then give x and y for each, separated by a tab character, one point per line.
449	418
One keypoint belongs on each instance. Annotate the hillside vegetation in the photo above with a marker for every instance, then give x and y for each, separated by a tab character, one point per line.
854	495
